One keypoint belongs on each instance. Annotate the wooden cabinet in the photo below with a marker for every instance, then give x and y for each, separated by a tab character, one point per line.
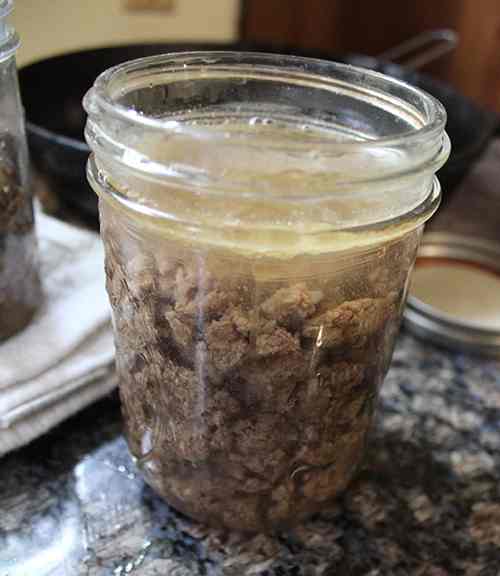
372	26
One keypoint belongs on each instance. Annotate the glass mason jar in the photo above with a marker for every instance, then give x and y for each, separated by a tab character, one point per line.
260	215
20	291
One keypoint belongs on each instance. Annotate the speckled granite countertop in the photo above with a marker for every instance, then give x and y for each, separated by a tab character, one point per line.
426	503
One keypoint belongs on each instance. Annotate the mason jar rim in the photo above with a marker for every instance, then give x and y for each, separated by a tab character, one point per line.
100	99
412	133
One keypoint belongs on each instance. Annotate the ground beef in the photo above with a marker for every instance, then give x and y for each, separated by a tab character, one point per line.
248	402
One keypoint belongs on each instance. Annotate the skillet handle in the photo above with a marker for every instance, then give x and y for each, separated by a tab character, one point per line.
422	49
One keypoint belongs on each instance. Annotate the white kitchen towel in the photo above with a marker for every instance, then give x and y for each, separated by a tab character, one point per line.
29	428
64	359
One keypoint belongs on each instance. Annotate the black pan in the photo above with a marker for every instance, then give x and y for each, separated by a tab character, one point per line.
52	91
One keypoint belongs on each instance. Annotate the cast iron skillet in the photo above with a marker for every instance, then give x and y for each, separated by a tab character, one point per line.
52	91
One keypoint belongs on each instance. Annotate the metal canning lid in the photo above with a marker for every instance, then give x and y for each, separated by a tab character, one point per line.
454	294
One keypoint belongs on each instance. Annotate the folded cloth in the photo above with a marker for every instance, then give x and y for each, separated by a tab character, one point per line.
64	359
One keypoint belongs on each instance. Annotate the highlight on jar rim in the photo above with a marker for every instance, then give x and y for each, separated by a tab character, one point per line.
9	40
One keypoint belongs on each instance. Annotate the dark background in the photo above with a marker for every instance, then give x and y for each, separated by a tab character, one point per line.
372	26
